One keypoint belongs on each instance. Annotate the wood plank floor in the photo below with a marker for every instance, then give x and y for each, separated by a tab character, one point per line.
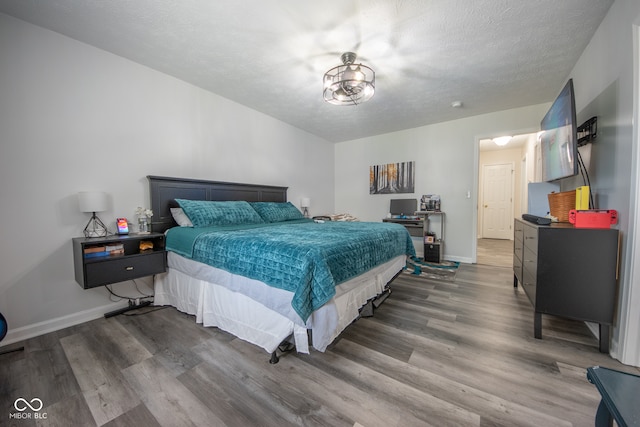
437	353
495	252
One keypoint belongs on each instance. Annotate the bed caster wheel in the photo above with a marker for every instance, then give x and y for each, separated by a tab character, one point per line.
274	358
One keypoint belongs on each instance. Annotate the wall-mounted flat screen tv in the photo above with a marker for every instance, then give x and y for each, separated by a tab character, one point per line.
558	138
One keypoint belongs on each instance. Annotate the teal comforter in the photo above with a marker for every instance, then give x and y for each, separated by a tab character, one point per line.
306	258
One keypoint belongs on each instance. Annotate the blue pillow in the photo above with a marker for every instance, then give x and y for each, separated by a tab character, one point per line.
277	212
203	213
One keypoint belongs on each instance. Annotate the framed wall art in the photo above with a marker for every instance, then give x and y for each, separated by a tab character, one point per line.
392	178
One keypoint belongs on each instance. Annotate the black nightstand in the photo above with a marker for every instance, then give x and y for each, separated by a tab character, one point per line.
94	269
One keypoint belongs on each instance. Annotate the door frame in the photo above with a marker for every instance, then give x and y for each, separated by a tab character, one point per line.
476	181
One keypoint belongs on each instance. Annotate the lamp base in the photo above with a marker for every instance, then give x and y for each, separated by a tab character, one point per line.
95	228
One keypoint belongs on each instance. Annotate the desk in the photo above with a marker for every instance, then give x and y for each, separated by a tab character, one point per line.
426	215
413	226
619	392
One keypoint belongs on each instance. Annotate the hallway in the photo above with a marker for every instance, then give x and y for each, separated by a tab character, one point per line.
495	252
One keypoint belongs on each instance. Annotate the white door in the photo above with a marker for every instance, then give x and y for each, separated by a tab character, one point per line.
497	201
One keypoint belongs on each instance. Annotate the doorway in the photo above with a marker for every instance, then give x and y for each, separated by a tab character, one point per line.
495	246
503	173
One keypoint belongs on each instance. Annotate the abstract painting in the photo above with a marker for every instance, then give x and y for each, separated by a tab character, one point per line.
392	178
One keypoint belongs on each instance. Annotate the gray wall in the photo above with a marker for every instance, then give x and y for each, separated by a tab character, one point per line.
605	87
446	156
74	118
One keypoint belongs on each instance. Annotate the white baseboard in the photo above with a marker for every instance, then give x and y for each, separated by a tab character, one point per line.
41	328
463	260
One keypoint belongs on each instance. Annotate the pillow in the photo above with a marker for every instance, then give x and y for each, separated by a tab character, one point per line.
343	217
277	212
180	217
203	213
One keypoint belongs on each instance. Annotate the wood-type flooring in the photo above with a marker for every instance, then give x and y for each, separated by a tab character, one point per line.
495	252
437	353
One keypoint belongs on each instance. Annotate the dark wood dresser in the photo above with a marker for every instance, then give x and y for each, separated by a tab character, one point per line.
568	272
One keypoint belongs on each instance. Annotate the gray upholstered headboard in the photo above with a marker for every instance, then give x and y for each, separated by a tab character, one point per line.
164	191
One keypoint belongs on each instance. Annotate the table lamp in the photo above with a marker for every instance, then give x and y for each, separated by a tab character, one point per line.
93	201
305	202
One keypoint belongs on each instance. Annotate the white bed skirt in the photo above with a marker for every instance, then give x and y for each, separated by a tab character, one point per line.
258	313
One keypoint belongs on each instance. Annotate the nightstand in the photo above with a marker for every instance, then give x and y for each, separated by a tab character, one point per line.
96	266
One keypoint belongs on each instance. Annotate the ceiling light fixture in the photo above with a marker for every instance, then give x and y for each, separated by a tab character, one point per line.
349	84
502	140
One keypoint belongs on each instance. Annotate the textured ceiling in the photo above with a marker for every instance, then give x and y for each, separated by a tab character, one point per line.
270	55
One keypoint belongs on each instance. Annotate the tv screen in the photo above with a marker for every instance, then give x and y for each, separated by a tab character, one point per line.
558	137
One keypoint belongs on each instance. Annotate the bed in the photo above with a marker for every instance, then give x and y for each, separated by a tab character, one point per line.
245	260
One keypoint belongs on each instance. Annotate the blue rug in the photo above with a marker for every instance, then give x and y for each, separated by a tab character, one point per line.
446	270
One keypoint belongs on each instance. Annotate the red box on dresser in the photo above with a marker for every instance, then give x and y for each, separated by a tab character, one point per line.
593	218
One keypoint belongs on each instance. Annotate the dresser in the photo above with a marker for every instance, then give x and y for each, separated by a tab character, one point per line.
568	272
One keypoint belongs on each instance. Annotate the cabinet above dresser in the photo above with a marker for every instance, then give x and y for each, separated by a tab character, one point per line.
568	272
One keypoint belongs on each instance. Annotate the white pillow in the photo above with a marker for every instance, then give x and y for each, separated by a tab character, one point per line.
180	217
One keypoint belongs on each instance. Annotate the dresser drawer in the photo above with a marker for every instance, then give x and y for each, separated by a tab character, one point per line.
517	268
113	270
518	229
529	286
531	238
517	259
529	274
518	248
530	263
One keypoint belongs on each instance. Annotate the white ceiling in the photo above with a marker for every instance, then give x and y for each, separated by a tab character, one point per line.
270	55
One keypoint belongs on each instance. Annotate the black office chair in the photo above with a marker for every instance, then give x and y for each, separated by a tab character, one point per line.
3	333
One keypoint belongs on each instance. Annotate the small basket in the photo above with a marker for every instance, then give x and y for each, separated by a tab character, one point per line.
561	203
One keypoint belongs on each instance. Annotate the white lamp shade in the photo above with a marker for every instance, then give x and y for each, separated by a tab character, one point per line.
305	202
93	201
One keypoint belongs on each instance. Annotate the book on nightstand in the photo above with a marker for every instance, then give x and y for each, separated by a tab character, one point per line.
96	254
115	249
95	251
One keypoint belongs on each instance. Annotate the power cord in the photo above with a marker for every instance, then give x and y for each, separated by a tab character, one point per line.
586	180
131	300
146	311
139	291
113	294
